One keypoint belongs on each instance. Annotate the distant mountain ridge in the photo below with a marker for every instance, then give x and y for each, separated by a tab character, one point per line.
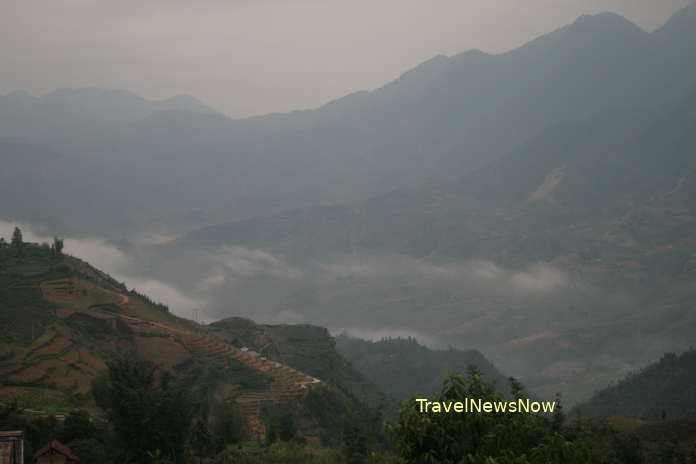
438	121
105	104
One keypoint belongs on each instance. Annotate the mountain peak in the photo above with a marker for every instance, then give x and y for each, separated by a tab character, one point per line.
82	92
598	29
188	103
120	104
20	95
603	22
682	23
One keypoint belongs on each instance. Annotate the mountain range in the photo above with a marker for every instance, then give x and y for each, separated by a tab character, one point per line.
174	163
537	205
571	255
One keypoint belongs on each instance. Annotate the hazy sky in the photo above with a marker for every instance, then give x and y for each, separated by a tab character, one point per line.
248	57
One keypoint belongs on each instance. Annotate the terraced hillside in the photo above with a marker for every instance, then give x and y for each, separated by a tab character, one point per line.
62	320
306	347
285	383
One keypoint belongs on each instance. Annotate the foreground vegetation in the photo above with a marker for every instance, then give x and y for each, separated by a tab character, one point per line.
147	416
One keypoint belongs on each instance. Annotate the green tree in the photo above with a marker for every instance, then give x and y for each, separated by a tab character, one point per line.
150	413
227	425
286	424
356	444
17	237
480	438
559	416
201	439
89	451
58	245
77	426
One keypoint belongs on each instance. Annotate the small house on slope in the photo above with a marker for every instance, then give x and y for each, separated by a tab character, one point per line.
54	453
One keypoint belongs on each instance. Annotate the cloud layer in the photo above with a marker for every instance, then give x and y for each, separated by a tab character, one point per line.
372	295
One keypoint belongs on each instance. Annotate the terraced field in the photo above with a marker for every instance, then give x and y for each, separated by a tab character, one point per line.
90	320
62	320
286	383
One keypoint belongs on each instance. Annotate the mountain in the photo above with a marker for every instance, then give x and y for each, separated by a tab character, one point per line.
589	171
91	113
38	182
62	320
663	389
568	262
404	368
438	121
85	104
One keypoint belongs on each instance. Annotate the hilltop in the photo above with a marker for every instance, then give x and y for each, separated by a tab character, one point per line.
61	321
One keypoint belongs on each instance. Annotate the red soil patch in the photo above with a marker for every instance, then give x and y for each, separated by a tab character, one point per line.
28	374
9	368
89	362
163	351
60	342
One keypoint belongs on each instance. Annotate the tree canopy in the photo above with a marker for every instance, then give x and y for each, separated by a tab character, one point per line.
480	438
151	414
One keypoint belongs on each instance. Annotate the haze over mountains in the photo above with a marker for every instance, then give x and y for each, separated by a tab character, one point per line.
574	248
437	121
537	205
567	260
182	286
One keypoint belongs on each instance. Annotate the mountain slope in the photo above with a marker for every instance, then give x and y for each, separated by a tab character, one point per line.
60	193
600	166
62	320
664	388
404	368
308	348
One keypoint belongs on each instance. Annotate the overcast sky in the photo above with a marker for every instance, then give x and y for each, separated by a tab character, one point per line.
248	57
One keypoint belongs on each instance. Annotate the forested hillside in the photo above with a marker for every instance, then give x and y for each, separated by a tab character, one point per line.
665	389
404	368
